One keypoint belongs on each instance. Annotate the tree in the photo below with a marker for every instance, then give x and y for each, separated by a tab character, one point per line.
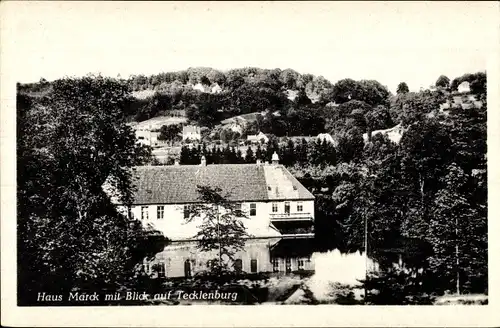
336	118
301	152
259	153
217	77
70	236
350	145
249	157
368	91
170	132
287	154
289	78
302	99
413	107
204	80
222	230
443	82
458	232
206	111
402	88
477	82
378	118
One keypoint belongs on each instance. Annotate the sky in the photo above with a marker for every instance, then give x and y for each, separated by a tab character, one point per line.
391	42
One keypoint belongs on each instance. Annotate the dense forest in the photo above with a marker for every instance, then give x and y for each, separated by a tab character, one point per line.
292	104
431	186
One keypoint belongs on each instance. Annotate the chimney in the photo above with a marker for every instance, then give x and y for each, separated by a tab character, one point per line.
176	162
275	159
203	161
258	162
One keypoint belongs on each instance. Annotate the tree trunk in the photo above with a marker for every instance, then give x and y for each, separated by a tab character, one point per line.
220	245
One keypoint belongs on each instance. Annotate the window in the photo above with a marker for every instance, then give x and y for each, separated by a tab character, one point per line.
253	266
253	209
160	210
161	269
144	212
300	263
288	265
300	207
276	265
237	208
275	207
187	210
238	265
287	207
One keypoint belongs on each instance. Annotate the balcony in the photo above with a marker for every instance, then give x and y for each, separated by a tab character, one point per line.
298	216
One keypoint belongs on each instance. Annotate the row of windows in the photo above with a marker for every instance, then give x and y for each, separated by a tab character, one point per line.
159	267
160	210
300	207
288	264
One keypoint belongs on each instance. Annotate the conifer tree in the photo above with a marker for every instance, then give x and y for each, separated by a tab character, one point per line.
249	157
259	153
239	157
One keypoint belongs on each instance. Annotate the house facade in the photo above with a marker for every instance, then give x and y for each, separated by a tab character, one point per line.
278	210
147	137
191	132
328	138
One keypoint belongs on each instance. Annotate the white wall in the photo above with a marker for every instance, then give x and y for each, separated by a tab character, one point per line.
174	226
307	207
191	135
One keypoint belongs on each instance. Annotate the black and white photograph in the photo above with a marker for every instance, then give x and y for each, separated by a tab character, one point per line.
235	155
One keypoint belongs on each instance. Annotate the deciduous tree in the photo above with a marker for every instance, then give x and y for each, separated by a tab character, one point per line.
221	231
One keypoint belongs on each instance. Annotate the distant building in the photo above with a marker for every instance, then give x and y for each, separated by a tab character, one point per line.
327	137
201	87
206	88
332	104
256	138
464	87
216	89
394	134
191	132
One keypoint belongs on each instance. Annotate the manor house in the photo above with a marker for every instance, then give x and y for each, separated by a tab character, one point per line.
279	214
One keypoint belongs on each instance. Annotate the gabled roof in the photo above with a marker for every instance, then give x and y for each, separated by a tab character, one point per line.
177	184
